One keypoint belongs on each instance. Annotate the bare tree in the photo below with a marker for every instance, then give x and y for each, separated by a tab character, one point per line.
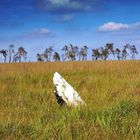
56	56
95	54
134	51
70	52
118	53
76	51
65	55
124	52
40	57
48	53
21	53
83	53
4	53
11	51
104	53
110	47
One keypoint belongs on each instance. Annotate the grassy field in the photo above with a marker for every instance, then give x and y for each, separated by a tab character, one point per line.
111	90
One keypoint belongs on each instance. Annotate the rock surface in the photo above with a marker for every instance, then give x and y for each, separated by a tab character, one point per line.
64	92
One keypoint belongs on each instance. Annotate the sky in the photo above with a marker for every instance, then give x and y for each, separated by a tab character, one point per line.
38	24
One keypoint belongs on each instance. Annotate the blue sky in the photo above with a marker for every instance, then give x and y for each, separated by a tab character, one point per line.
37	24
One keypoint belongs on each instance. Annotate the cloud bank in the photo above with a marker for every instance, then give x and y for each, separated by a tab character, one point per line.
37	33
69	6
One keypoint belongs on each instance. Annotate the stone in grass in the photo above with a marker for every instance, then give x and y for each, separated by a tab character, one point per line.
65	93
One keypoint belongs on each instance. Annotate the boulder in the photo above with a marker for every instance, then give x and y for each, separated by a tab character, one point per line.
65	93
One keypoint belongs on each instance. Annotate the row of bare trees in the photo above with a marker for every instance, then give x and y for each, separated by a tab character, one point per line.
70	53
10	55
104	52
74	53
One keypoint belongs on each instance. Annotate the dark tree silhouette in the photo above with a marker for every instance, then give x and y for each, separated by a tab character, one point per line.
124	54
40	57
134	51
56	56
4	53
110	47
65	55
76	51
104	53
95	54
48	53
118	53
83	53
73	52
70	52
21	53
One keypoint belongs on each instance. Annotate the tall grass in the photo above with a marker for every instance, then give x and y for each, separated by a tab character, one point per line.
111	90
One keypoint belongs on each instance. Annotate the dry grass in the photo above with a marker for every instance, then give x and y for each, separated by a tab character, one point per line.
28	109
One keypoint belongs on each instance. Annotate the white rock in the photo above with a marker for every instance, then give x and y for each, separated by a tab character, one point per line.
64	92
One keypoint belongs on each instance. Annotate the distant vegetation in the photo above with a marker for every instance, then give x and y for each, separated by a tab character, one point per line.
72	53
111	90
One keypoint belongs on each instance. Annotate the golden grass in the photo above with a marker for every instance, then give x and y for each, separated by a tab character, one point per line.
111	90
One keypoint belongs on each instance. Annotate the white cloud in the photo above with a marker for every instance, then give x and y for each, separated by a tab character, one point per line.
59	1
113	26
37	33
63	18
68	6
43	31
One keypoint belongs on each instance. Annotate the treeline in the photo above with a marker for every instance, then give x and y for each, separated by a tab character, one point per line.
72	53
10	55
